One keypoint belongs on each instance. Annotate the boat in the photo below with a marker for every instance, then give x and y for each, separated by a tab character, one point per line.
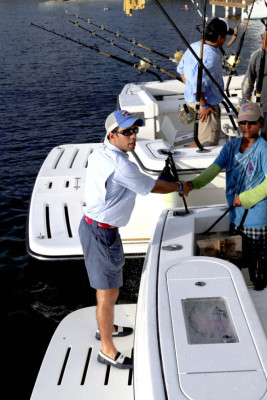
200	328
57	202
259	10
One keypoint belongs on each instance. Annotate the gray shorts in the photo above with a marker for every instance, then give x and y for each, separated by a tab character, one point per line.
103	255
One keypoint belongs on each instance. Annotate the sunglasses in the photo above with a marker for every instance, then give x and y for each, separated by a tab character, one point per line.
248	122
130	131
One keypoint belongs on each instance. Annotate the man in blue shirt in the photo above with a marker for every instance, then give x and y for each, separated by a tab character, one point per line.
112	183
210	114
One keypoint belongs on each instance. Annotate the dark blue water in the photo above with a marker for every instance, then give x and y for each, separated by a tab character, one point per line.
55	92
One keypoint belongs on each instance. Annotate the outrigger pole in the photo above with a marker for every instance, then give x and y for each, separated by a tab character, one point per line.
199	80
262	65
197	58
131	53
117	34
94	48
238	52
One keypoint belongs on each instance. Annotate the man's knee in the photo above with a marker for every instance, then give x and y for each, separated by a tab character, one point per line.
105	296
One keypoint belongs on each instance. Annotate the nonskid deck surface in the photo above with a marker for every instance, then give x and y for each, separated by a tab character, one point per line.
70	370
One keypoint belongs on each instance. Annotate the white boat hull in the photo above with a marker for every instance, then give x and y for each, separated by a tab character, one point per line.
163	352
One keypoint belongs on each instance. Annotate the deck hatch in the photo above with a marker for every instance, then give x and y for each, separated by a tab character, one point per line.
208	320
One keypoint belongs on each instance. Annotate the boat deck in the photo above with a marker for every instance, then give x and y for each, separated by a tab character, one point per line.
70	369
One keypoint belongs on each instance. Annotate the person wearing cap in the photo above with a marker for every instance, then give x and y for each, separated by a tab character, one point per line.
245	162
210	113
252	76
112	183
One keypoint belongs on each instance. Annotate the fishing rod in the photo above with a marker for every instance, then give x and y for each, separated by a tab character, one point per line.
131	53
199	80
117	34
94	48
196	57
238	52
262	65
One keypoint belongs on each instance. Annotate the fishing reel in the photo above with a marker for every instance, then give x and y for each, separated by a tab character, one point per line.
187	114
178	55
144	64
231	61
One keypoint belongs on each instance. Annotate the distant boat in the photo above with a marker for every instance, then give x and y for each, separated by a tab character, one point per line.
186	8
106	8
259	10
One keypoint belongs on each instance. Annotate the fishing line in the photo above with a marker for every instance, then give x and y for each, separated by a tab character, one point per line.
94	48
131	53
196	56
238	52
117	34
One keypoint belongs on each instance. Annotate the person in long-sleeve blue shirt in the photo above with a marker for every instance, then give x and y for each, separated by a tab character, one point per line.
210	113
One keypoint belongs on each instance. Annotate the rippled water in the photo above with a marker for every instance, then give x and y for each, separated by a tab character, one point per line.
55	92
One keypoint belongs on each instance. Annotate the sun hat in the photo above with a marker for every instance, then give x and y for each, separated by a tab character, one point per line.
121	119
219	26
250	112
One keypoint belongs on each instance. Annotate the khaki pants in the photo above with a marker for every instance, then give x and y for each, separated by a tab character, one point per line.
209	132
